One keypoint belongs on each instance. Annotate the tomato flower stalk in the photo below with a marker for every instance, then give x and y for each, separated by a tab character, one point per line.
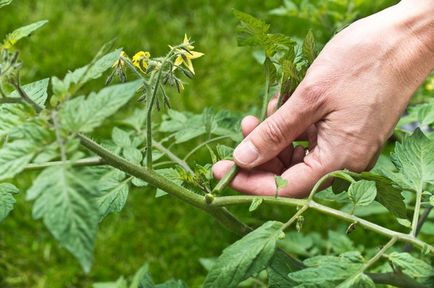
157	73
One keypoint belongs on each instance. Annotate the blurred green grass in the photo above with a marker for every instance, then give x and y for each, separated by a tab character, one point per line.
168	234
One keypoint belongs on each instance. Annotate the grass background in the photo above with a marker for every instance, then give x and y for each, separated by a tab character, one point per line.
166	233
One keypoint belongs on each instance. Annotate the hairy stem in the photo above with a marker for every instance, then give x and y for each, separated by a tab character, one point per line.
422	219
415	221
224	182
236	200
91	161
221	214
172	156
10	100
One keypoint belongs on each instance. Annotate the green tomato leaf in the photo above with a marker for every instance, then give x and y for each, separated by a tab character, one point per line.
414	160
85	114
255	204
64	200
37	91
360	281
362	193
77	78
247	256
411	266
15	156
280	266
133	155
326	271
308	48
22	32
113	189
121	137
7	199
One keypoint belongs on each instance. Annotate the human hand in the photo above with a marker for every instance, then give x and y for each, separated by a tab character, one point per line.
346	107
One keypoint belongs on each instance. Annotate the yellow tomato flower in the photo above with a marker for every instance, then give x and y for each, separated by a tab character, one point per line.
140	60
120	62
185	56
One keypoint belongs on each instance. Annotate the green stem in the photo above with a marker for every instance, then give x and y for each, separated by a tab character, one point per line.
395	279
265	99
224	182
92	161
416	212
204	144
172	156
221	214
370	262
10	100
294	217
236	200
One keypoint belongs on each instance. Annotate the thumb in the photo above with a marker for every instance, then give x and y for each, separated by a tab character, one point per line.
280	129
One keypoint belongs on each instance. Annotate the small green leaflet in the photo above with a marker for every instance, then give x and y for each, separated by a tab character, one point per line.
77	78
37	91
339	242
170	174
256	202
254	32
121	138
280	184
360	281
5	3
362	193
411	266
308	48
7	199
20	33
414	159
132	154
113	189
15	156
83	114
244	258
326	271
64	200
280	266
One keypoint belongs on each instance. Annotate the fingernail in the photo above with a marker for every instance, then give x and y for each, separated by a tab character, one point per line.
246	153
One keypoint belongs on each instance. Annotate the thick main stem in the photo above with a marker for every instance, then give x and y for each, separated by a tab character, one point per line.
221	214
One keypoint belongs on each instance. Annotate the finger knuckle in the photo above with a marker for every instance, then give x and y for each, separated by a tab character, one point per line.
274	131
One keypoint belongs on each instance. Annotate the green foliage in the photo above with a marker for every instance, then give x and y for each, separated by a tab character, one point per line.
7	199
414	160
411	266
20	33
327	271
362	193
142	279
83	114
72	199
64	200
245	257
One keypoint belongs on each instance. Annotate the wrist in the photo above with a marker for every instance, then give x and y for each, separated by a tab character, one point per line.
418	21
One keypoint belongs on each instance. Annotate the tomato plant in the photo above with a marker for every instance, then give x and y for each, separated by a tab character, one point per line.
84	176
